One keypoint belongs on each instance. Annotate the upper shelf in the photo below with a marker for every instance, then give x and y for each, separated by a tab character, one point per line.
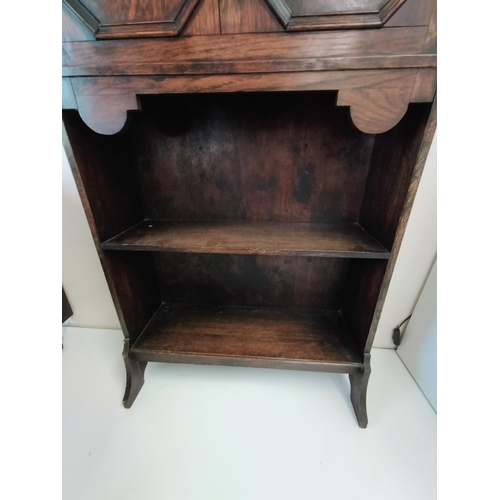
250	238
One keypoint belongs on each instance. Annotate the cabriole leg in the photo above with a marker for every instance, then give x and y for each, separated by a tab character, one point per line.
359	384
135	376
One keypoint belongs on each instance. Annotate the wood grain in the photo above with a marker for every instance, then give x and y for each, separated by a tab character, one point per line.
250	238
105	167
133	11
106	187
248	337
361	294
391	171
132	18
248	53
279	82
378	98
205	19
257	157
425	85
424	143
300	15
376	110
247	16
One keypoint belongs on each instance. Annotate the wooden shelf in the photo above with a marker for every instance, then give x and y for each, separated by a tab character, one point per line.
250	238
244	336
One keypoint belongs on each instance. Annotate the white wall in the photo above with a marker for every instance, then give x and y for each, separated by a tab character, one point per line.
418	349
90	299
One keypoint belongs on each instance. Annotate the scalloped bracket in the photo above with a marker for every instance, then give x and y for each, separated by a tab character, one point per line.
376	110
377	99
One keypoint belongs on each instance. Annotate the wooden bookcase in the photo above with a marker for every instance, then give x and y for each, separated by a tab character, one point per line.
248	191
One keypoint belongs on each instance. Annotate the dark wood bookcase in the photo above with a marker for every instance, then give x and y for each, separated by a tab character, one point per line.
248	188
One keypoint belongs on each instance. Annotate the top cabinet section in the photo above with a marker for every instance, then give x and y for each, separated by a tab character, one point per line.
132	18
108	19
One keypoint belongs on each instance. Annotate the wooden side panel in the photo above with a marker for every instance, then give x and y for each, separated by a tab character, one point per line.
205	20
364	280
394	156
423	151
105	166
250	280
132	279
106	184
258	157
397	163
247	16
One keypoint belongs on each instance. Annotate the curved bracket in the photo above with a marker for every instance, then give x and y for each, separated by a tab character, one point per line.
106	114
135	375
359	385
376	110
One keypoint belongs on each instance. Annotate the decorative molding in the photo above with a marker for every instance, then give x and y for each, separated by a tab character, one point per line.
378	99
371	14
374	111
133	29
377	109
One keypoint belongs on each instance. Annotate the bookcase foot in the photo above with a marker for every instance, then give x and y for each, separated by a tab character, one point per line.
135	376
359	384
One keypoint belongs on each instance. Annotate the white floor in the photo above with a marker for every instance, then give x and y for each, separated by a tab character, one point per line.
203	432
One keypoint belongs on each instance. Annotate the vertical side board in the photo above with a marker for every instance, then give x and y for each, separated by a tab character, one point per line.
105	183
401	171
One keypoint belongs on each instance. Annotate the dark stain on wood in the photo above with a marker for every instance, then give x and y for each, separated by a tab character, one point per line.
304	189
250	157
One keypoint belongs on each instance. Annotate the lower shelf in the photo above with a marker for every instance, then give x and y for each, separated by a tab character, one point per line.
245	336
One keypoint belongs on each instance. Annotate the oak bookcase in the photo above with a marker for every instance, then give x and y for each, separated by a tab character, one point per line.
247	185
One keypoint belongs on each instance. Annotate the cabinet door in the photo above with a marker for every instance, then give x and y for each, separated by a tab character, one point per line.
299	15
258	16
133	18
